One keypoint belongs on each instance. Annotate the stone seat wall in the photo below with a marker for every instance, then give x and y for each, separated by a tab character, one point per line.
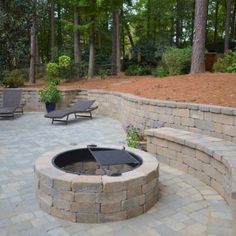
212	160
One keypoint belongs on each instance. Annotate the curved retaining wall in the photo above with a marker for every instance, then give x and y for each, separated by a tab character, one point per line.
145	113
215	121
211	160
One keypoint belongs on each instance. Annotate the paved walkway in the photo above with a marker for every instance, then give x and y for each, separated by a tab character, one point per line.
186	205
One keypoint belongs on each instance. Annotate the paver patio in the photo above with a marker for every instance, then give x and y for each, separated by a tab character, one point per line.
186	205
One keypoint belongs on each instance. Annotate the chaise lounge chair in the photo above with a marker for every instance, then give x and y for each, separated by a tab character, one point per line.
78	109
11	103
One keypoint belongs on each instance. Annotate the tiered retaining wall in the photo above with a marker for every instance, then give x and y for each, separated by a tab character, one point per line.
215	121
32	102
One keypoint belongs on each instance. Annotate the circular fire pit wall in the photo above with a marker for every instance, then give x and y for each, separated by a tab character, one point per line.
95	185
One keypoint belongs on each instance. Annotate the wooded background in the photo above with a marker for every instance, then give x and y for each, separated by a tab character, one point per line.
111	34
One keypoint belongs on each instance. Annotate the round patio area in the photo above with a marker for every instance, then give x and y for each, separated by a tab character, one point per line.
186	206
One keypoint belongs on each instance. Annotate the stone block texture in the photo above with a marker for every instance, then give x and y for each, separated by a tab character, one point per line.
212	160
96	198
215	121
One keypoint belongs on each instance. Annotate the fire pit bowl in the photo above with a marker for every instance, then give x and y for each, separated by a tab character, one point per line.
90	184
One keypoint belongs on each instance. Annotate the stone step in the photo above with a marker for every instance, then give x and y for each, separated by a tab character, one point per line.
81	95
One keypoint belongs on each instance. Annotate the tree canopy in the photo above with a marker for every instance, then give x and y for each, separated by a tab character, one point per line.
146	29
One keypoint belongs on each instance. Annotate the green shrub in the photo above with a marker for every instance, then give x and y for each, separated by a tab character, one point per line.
13	79
144	70
50	94
232	68
160	72
134	136
52	69
64	61
177	60
52	73
138	70
103	73
224	63
81	69
65	67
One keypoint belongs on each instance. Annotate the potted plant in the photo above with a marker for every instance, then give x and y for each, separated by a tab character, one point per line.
50	95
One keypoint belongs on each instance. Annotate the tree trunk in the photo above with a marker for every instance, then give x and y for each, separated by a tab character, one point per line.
192	25
233	21
123	32
91	53
227	24
129	34
178	22
52	30
32	73
148	18
37	54
77	48
198	52
115	43
32	55
59	29
216	20
206	35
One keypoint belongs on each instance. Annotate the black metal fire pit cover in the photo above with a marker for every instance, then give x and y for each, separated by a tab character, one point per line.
112	156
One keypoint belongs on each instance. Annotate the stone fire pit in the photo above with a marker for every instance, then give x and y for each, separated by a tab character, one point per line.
71	185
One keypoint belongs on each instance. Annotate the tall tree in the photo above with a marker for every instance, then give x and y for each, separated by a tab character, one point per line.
178	22
52	29
116	67
92	40
227	24
77	46
216	20
198	52
14	36
59	27
233	21
32	69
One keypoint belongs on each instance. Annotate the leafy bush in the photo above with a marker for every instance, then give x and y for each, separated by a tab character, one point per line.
147	52
13	79
177	60
132	70
138	70
145	70
224	63
50	94
64	61
134	136
81	69
65	67
232	68
103	73
52	73
160	72
52	69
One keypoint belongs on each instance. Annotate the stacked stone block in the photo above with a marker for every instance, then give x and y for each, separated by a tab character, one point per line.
210	159
96	198
211	120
